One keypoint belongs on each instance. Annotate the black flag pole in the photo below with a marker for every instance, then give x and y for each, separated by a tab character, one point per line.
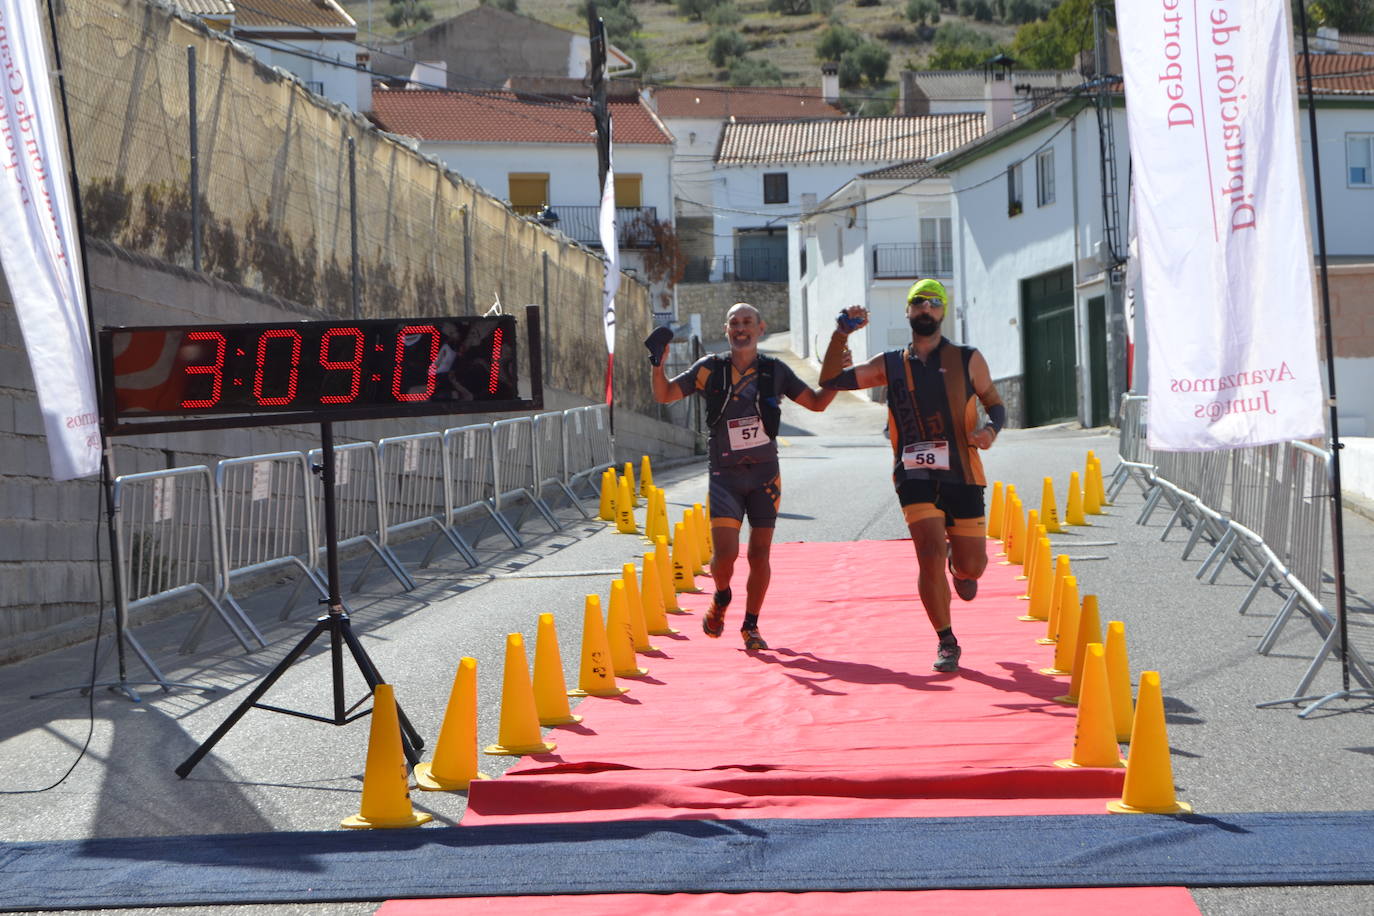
601	116
1342	633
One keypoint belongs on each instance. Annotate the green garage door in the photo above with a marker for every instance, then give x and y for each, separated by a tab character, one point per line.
1048	338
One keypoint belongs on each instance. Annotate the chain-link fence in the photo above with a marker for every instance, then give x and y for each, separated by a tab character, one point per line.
291	191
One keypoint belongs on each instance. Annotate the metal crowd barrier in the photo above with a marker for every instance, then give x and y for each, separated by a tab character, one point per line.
358	507
266	509
167	542
513	450
416	491
186	530
1135	459
1270	521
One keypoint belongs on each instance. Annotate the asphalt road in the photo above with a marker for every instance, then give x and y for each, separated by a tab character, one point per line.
276	772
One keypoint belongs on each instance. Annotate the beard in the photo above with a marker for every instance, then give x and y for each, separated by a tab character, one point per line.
924	325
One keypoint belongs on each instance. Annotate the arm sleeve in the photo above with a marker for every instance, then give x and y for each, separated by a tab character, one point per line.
997	416
847	380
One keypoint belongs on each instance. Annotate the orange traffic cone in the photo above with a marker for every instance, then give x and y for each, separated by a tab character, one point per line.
1073	511
655	619
995	512
1094	738
596	677
646	477
550	690
1066	643
1062	571
665	576
620	635
625	508
1049	514
608	486
518	733
386	793
1027	540
634	607
1149	787
455	753
1119	679
1089	631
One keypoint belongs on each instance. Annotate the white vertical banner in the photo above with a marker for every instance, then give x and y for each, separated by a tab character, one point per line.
610	248
1225	251
39	247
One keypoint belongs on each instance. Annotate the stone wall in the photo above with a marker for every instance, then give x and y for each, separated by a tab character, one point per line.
712	300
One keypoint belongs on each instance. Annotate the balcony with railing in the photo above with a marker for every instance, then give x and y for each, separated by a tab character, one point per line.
898	261
582	223
757	267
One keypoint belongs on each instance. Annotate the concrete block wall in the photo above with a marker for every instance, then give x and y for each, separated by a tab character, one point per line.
51	532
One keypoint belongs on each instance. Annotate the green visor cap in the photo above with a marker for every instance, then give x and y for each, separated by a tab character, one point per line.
930	289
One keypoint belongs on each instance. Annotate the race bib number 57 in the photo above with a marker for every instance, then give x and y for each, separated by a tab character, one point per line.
746	432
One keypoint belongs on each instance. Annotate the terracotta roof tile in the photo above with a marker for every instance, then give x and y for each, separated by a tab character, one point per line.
847	140
743	103
499	117
1339	74
905	171
280	14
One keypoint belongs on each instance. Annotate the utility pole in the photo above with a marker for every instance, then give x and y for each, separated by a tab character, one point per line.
596	30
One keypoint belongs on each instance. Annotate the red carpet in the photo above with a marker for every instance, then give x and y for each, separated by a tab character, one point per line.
842	718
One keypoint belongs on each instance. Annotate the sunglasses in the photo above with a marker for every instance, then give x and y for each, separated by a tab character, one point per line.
925	301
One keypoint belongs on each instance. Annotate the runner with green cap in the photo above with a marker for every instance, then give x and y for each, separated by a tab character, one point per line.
934	387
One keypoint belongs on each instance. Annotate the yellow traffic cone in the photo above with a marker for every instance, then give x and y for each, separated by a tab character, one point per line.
1073	510
1042	582
1089	631
1119	679
455	753
1093	483
634	607
1013	530
518	733
1062	571
646	477
691	522
651	595
665	576
1094	737
1028	538
608	485
1032	559
625	508
651	525
1066	642
1008	498
703	532
995	512
386	790
596	678
708	540
620	635
683	580
1049	514
1149	787
550	690
629	474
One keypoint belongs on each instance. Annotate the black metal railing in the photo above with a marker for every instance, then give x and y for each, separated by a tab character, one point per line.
895	260
582	224
758	268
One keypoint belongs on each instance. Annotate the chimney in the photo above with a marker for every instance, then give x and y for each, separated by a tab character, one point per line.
830	82
1328	39
428	74
997	92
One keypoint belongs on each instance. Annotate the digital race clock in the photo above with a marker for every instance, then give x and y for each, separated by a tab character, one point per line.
306	371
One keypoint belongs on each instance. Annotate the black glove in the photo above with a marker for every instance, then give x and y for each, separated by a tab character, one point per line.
657	342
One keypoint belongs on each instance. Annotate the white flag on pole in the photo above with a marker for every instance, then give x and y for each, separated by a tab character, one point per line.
39	248
610	248
1225	253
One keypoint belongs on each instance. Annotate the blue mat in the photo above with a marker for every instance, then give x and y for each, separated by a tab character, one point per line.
693	856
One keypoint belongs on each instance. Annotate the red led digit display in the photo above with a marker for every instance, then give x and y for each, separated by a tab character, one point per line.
405	366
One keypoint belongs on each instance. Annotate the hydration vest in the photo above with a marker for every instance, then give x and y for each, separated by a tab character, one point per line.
769	406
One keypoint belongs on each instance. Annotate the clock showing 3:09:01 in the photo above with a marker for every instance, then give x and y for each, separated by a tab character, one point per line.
330	367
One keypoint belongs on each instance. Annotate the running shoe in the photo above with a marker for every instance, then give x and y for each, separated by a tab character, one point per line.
753	642
713	624
947	657
967	589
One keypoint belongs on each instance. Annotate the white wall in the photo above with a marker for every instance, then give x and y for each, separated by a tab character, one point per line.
739	202
1348	212
694	172
340	80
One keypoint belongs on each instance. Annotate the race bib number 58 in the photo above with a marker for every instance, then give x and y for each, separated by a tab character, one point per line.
927	456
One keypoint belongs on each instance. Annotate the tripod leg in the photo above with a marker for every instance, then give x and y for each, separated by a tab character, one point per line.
410	738
266	684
